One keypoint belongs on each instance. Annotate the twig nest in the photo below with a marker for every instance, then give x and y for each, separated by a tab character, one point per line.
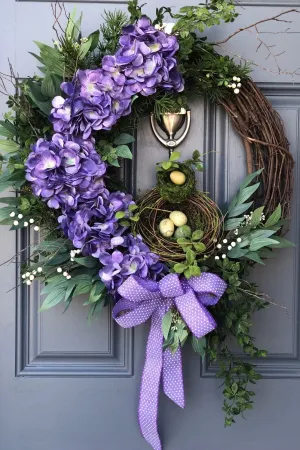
166	228
177	177
176	193
178	218
201	213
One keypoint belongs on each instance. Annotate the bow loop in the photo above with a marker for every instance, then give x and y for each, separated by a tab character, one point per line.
209	288
170	286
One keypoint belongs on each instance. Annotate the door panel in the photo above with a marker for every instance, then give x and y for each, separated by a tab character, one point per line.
66	384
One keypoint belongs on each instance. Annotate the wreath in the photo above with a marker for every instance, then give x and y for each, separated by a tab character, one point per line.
172	256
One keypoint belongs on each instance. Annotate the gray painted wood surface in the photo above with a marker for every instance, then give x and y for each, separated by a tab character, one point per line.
68	385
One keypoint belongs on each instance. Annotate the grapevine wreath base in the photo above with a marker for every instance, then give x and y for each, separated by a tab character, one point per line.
173	257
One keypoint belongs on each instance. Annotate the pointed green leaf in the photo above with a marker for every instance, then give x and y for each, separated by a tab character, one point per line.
260	242
87	261
256	216
179	267
123	151
246	193
124	138
254	256
166	323
250	178
239	209
166	165
55	297
9	146
282	243
199	345
274	217
174	156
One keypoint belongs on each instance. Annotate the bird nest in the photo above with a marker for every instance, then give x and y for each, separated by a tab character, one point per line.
202	213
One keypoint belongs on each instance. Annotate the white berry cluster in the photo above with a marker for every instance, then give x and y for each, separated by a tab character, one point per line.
29	277
235	85
73	253
25	224
225	246
65	273
248	218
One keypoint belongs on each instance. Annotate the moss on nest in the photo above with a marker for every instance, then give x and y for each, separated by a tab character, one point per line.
174	193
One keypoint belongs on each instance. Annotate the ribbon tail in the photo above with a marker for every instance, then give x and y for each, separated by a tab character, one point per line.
172	377
148	405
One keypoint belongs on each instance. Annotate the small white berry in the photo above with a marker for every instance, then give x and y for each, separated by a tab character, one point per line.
239	85
225	241
238	79
219	246
31	220
40	269
36	228
34	272
236	232
72	259
27	274
31	277
59	269
23	276
217	257
224	256
68	277
229	247
65	274
20	216
236	91
239	240
207	75
235	78
26	224
233	244
12	214
16	223
233	85
28	282
78	251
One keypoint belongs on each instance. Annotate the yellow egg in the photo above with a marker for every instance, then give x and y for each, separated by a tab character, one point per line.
166	228
177	177
178	218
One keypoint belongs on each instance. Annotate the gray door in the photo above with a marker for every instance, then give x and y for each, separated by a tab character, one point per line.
69	385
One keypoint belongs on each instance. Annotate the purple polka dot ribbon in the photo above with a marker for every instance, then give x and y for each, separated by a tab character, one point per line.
142	299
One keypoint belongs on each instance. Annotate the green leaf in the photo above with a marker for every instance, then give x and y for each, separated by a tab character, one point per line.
249	178
166	323
5	212
232	224
237	252
52	59
179	267
195	271
6	133
234	388
254	257
120	215
166	165
199	247
55	297
13	201
239	209
123	151
197	235
124	138
89	45
274	217
245	193
175	156
190	256
9	146
199	345
95	40
260	242
256	216
52	246
9	127
132	207
58	258
50	85
87	261
282	243
196	155
96	292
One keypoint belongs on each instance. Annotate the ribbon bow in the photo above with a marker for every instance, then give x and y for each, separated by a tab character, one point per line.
142	299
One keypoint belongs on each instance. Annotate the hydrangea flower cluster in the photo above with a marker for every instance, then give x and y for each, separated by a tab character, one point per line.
96	99
65	171
135	260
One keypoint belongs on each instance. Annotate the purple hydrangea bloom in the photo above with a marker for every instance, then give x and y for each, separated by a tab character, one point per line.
135	258
96	100
93	227
65	170
146	57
